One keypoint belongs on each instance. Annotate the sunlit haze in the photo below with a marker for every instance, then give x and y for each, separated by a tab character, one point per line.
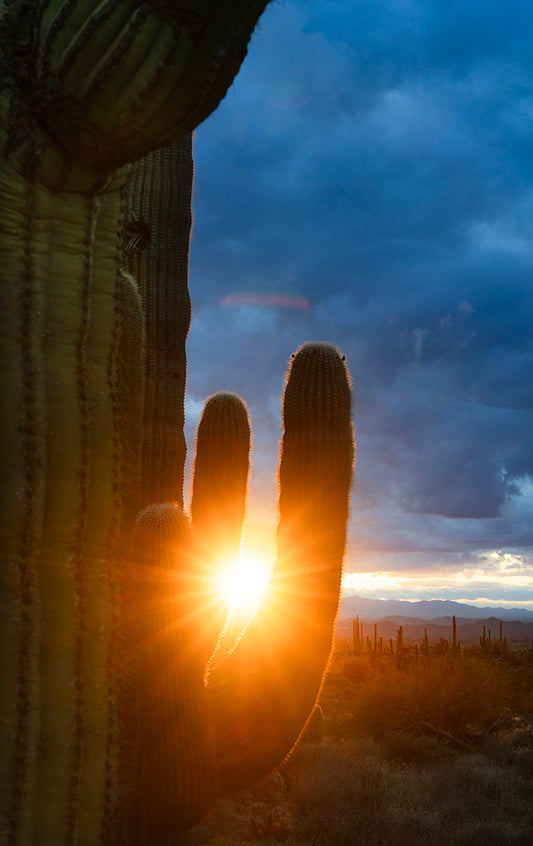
243	582
497	578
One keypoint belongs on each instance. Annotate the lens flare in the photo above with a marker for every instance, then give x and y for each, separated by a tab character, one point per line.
243	583
268	300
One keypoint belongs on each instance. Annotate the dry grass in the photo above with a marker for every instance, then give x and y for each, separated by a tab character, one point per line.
412	756
351	794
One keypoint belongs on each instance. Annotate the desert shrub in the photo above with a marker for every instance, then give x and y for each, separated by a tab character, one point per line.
357	668
454	700
412	749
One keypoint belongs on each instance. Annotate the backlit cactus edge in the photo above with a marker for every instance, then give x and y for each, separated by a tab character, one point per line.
114	727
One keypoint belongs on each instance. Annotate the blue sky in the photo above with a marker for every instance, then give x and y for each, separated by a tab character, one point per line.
376	160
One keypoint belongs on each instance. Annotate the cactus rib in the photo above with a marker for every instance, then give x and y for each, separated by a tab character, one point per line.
125	78
158	195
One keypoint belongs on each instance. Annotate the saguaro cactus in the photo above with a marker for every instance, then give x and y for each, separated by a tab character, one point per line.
244	716
85	89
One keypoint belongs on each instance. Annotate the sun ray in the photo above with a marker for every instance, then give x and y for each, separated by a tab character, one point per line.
243	582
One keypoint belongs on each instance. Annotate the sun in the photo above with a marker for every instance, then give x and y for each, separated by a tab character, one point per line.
243	583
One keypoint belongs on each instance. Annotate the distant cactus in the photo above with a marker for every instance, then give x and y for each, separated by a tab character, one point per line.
268	824
356	635
425	645
399	639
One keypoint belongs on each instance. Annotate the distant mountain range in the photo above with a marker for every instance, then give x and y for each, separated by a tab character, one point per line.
425	610
434	617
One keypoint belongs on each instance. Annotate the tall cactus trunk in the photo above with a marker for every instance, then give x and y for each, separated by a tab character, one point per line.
76	364
156	250
70	458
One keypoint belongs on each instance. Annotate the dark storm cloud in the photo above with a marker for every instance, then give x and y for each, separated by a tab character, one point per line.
375	158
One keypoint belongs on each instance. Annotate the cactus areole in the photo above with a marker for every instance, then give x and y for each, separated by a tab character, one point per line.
115	728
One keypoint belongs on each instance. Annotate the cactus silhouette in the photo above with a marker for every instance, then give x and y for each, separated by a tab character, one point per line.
114	728
245	716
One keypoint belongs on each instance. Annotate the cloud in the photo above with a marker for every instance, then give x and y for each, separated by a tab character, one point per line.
492	576
375	160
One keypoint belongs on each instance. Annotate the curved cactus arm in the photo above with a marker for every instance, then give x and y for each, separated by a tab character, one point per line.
262	694
220	480
196	740
177	615
113	80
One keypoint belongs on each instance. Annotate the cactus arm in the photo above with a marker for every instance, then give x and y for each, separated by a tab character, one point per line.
218	501
62	576
263	693
181	615
112	81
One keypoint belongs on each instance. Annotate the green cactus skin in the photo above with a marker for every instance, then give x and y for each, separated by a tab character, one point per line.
62	506
113	80
157	232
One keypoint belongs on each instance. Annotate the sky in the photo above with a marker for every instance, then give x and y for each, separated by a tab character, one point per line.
368	181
